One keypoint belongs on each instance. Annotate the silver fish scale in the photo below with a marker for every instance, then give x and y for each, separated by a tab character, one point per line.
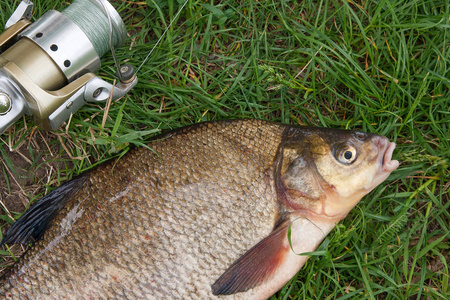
159	226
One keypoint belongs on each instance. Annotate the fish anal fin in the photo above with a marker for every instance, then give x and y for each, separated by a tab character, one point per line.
256	266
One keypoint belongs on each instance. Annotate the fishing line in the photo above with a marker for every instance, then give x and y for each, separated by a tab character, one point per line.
113	52
93	17
159	40
88	20
97	23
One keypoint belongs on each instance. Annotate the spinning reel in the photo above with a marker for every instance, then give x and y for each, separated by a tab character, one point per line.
47	68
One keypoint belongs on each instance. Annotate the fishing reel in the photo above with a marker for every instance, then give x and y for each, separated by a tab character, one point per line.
47	68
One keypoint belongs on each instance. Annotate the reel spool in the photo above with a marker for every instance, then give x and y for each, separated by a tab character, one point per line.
47	67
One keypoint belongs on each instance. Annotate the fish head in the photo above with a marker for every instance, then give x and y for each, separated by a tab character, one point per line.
327	171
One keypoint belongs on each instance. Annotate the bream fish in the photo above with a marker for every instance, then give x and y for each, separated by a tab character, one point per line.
205	214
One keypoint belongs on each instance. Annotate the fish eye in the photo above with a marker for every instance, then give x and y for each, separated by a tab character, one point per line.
346	154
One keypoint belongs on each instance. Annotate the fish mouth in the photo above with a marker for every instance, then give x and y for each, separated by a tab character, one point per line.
386	149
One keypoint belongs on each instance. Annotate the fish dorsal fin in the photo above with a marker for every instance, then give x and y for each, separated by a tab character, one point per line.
257	265
35	221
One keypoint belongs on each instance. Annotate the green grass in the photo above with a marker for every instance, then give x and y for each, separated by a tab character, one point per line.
380	66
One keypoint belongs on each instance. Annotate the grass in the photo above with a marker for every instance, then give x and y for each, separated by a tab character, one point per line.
380	66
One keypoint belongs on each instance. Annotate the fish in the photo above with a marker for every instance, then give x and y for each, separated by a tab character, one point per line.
214	210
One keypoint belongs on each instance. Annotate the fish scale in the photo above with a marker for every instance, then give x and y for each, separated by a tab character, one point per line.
159	224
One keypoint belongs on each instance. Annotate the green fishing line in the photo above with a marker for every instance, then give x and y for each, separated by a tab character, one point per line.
91	17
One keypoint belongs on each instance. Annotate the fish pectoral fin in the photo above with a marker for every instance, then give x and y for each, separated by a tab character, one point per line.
257	265
35	221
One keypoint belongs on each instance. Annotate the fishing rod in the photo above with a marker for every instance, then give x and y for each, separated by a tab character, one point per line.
47	68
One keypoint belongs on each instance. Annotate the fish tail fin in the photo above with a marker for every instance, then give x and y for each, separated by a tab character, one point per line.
35	221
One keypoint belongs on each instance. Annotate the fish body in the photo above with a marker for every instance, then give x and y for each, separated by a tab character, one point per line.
205	214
